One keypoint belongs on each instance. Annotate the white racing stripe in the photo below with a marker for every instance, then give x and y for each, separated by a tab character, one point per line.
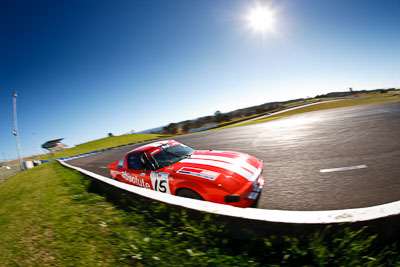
246	174
344	168
238	161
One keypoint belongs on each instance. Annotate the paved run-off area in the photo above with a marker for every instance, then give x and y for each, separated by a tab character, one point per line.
324	160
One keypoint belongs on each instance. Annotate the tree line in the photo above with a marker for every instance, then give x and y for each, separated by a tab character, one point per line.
218	118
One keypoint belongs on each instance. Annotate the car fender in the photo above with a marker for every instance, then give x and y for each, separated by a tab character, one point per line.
193	186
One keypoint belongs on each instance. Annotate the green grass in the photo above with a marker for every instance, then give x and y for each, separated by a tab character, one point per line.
54	216
47	217
298	102
105	143
324	106
378	94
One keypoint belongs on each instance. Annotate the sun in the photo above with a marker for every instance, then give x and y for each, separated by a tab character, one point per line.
261	19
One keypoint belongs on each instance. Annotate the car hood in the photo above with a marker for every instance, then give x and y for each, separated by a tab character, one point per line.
230	169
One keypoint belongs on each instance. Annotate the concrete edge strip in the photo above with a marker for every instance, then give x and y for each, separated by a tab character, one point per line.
279	216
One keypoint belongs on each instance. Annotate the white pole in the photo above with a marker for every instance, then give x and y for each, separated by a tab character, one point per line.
16	133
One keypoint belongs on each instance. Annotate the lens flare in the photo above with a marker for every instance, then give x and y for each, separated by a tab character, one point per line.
261	19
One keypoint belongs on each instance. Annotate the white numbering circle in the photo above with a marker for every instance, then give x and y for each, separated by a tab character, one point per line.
160	182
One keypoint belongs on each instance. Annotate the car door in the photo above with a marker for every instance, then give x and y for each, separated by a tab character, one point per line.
136	173
159	179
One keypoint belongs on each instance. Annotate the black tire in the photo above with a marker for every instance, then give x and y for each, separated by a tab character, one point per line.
188	193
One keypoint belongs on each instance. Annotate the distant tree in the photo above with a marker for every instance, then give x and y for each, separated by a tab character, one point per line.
208	119
226	117
351	90
172	128
249	112
259	110
198	123
187	125
242	113
110	135
269	107
218	116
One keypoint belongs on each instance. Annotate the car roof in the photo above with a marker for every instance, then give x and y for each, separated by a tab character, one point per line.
151	146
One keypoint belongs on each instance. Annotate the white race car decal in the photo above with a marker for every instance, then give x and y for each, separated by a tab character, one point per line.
160	182
135	180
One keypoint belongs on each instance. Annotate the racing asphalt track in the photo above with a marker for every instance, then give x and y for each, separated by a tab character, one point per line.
324	160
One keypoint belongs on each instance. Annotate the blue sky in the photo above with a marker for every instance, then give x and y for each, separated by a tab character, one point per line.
85	68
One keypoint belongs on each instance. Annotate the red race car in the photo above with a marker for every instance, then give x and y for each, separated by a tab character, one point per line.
170	167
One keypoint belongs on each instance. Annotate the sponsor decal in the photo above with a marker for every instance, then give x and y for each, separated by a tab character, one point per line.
135	180
156	144
165	146
207	174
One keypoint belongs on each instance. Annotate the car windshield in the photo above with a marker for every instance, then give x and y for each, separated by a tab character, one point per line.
170	155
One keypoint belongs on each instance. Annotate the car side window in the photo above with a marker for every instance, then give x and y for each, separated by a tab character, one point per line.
146	165
120	163
134	161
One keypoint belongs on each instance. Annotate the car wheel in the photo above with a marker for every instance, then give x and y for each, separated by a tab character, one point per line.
184	192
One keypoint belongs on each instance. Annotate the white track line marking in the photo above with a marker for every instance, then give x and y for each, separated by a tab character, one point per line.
344	168
102	167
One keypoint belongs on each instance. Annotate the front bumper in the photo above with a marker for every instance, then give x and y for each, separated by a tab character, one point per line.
257	186
247	198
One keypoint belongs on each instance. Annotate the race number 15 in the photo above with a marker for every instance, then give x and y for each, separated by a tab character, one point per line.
160	186
159	180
